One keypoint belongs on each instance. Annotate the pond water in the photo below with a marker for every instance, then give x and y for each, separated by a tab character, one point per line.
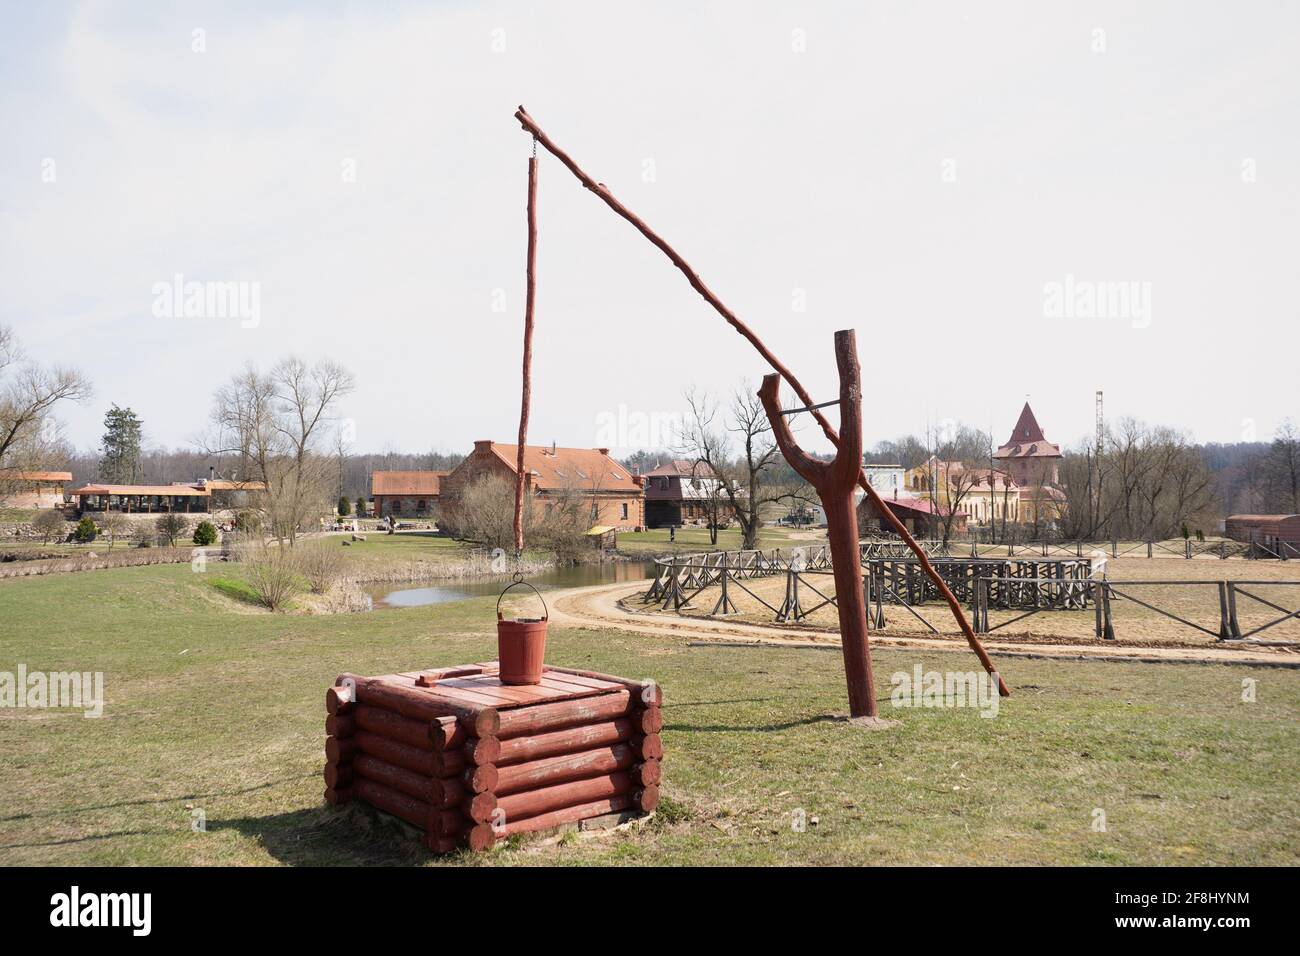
440	592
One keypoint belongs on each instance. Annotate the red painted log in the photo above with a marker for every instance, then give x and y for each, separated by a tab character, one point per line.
335	703
954	606
337	795
426	705
409	782
340	750
647	798
483	836
389	723
567	713
399	754
449	763
649	747
649	721
482	750
418	813
447	733
557	742
532	802
338	775
647	693
552	770
479	779
338	725
646	774
479	807
442	844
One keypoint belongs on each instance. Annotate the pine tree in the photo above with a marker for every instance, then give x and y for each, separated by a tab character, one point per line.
120	447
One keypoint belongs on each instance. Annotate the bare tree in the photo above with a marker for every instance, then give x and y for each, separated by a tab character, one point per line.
275	425
746	482
1282	469
29	438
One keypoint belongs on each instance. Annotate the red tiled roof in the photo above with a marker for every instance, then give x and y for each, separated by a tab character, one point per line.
1027	439
15	475
922	505
682	468
183	490
427	483
569	467
227	484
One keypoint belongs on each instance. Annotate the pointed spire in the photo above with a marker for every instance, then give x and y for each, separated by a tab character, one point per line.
1027	428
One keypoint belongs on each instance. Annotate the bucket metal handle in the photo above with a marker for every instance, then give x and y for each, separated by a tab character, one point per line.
546	614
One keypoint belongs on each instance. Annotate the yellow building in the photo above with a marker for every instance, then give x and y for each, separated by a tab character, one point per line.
984	494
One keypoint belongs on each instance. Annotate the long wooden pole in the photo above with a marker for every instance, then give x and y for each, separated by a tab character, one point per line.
530	125
526	399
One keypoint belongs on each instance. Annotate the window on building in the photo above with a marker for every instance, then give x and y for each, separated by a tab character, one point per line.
625	511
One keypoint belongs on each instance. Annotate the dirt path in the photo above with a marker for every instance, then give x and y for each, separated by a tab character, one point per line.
598	607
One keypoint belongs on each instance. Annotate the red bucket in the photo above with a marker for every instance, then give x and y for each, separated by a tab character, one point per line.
521	643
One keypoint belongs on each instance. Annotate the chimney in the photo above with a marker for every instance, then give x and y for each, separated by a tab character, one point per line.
212	472
484	445
552	447
603	451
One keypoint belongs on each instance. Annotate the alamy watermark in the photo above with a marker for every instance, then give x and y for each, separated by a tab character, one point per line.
626	428
937	689
181	299
46	690
1088	299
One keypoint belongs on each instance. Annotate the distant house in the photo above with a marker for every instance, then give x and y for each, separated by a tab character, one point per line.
1032	462
231	494
199	497
922	517
890	481
611	493
405	494
142	499
1268	530
33	489
681	492
984	494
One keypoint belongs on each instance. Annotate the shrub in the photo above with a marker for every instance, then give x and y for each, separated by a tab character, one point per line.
320	564
205	534
171	527
115	525
85	531
272	575
361	507
142	536
345	506
49	524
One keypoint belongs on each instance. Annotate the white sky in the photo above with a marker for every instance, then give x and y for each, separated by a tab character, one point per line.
775	171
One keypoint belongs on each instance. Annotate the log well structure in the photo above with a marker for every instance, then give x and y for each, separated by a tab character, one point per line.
470	761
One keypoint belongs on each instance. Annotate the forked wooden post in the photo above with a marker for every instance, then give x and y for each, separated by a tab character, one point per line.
835	482
602	191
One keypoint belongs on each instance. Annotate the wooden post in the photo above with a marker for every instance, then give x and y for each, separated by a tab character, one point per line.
898	526
834	482
530	295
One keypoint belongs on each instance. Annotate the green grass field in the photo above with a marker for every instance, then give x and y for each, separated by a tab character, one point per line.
212	705
692	539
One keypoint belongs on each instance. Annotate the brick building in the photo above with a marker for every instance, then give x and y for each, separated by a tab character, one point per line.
406	494
1032	462
33	489
615	496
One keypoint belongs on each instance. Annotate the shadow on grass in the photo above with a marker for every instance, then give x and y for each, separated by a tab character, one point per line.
157	800
327	836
